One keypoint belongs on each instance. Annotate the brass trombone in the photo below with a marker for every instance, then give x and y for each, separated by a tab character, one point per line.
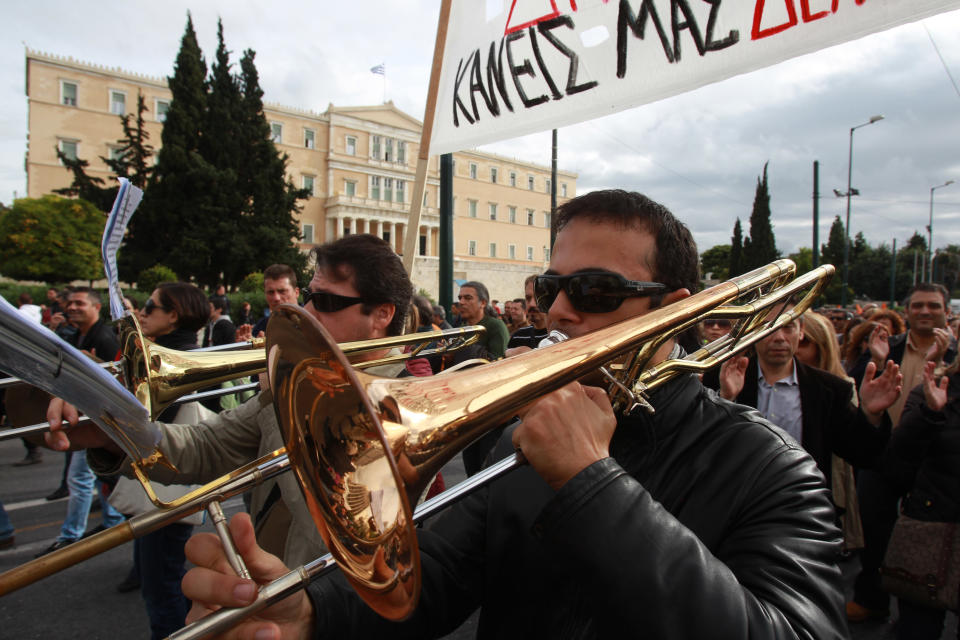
363	447
157	375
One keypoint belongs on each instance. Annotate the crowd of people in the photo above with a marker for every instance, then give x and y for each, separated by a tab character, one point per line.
723	511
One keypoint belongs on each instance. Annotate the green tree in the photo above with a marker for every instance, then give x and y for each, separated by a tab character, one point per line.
716	260
52	239
736	251
132	159
85	187
761	248
832	252
803	258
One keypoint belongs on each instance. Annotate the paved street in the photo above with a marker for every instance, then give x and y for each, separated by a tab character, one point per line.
82	602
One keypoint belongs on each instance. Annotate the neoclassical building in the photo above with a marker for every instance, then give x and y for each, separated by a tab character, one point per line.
358	163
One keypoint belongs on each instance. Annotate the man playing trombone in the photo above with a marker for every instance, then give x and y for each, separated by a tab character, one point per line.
360	291
699	520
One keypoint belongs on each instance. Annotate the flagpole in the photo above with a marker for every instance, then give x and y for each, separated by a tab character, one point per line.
412	232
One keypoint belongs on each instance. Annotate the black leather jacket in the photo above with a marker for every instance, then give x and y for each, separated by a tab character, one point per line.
705	523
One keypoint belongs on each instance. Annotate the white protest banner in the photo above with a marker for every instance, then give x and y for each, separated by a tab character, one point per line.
513	67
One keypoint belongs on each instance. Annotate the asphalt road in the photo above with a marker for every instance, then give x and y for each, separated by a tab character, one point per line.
82	601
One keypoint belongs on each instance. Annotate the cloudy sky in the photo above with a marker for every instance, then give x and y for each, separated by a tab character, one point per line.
699	153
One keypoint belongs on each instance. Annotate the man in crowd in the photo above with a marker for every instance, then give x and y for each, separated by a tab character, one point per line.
360	291
700	520
516	314
219	329
279	287
812	405
98	339
440	318
927	339
530	335
474	299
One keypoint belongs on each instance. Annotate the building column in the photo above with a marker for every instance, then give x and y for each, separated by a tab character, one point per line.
393	235
339	232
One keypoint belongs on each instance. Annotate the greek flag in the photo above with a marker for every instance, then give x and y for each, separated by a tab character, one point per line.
380	70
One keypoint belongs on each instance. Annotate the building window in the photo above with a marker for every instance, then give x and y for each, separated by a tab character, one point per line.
307	235
493	211
493	174
276	132
386	236
530	214
563	189
114	153
69	149
473	170
388	189
375	187
388	154
118	103
472	248
546	254
513	214
493	249
162	107
548	185
472	208
309	138
375	147
530	183
351	146
401	152
512	251
546	219
308	184
401	191
426	194
529	252
513	178
423	245
349	188
68	94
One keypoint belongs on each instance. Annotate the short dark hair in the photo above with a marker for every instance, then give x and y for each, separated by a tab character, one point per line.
25	298
92	294
480	288
424	309
219	302
377	272
676	262
439	311
528	280
188	301
279	271
930	287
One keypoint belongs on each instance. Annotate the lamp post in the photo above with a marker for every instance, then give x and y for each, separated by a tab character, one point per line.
930	226
846	244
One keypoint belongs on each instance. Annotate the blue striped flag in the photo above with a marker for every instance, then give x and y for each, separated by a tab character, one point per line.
380	70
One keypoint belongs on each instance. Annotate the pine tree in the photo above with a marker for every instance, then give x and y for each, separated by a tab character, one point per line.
832	252
736	250
762	247
85	187
132	160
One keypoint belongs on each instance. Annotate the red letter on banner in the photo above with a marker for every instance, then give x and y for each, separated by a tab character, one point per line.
756	34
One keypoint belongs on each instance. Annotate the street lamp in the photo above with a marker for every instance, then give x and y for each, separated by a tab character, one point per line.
930	226
846	244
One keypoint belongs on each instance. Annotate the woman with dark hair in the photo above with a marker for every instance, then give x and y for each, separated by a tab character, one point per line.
171	317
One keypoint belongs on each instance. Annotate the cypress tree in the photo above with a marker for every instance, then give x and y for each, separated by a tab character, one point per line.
762	247
736	250
832	252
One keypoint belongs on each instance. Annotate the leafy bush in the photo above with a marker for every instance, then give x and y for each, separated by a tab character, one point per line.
148	279
252	283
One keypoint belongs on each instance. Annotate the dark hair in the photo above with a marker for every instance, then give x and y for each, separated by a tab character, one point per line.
25	298
439	311
899	326
424	309
219	302
92	294
377	272
675	262
481	290
191	305
930	287
280	271
528	280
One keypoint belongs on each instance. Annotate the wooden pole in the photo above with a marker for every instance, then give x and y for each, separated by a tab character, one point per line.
412	233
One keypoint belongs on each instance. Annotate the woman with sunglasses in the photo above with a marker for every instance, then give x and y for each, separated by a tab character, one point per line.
171	318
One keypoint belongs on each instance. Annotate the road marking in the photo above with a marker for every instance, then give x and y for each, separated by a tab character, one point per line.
30	503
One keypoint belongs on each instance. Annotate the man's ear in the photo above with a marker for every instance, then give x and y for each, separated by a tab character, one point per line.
675	296
382	315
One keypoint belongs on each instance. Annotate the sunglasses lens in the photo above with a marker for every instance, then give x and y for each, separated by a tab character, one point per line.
325	302
592	293
545	290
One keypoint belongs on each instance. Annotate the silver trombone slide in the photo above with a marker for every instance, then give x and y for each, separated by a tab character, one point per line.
300	577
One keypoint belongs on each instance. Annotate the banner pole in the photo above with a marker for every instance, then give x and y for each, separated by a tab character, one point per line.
412	232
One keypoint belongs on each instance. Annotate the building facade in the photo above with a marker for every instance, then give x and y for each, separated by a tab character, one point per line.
359	164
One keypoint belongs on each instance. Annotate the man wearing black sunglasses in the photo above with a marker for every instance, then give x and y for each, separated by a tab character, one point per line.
699	520
360	291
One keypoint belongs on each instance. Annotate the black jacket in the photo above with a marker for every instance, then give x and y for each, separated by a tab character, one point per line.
898	345
101	340
705	523
924	457
831	424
